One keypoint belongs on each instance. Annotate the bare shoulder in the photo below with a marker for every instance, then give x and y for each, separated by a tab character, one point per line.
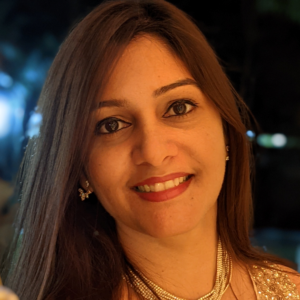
241	283
127	293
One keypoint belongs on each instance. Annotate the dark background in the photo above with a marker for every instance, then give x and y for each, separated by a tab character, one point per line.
258	43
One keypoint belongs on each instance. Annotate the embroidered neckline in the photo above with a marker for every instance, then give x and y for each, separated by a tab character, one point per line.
272	284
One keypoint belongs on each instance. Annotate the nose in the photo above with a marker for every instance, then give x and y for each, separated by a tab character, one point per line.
154	143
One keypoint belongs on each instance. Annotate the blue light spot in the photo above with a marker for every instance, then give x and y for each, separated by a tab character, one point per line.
250	134
5	80
31	75
34	123
5	116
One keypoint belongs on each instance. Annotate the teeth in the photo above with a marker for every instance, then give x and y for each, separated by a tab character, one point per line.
161	186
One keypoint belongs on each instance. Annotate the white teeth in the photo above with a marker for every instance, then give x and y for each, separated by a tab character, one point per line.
161	186
152	188
169	184
158	187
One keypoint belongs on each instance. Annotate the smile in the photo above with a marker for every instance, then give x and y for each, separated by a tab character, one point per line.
162	186
164	195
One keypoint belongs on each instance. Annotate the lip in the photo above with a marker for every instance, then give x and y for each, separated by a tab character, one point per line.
165	195
153	180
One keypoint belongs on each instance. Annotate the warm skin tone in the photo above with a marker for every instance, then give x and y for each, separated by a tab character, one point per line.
174	242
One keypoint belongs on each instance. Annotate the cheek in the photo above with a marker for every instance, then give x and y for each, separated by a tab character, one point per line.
107	168
102	180
209	152
104	164
209	144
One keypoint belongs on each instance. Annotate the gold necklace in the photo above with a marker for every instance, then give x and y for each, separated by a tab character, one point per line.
223	277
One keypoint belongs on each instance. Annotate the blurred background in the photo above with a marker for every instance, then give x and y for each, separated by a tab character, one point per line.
258	43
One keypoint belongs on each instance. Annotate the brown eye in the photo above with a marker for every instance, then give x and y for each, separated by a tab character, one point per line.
112	125
108	126
179	108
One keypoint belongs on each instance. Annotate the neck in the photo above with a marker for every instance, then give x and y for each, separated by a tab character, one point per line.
178	264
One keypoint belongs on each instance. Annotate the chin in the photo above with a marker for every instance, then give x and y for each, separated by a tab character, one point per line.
180	221
163	231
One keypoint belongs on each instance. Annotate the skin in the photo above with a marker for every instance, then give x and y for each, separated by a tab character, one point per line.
173	242
153	145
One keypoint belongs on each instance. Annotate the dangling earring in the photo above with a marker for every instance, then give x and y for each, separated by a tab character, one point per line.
82	194
227	149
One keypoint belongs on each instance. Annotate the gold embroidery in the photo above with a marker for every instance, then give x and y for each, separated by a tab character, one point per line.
273	284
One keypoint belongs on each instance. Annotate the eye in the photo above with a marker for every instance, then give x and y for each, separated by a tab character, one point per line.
179	107
111	126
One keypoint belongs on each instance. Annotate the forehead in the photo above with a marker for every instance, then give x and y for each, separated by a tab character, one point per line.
146	64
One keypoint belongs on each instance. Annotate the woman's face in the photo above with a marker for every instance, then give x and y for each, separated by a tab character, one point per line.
153	136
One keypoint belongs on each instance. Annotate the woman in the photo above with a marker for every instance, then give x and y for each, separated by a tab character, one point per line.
138	185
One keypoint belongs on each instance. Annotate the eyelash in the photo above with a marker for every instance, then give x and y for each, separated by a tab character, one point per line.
182	101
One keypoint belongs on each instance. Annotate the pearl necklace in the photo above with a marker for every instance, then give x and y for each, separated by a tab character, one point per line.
223	277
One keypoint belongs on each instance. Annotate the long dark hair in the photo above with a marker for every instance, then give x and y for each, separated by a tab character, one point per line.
68	249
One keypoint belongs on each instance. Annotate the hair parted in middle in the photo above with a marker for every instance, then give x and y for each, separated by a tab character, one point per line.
70	248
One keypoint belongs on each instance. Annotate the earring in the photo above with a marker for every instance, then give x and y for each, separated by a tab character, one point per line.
227	149
82	194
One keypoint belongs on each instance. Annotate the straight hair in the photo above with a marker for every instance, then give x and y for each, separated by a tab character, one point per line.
69	249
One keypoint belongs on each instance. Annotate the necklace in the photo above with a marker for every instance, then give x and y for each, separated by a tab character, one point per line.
223	277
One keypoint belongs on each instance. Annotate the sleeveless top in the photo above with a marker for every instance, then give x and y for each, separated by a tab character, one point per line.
272	284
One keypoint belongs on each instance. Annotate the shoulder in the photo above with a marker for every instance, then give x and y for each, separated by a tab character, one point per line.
241	282
6	293
293	275
126	293
279	280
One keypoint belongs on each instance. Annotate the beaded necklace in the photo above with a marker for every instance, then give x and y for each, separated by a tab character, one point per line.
223	277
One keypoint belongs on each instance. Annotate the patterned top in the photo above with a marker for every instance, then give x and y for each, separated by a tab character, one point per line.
272	284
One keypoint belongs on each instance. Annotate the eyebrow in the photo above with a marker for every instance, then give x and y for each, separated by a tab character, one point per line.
158	92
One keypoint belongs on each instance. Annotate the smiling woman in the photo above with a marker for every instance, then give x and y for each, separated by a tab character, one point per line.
168	127
140	119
